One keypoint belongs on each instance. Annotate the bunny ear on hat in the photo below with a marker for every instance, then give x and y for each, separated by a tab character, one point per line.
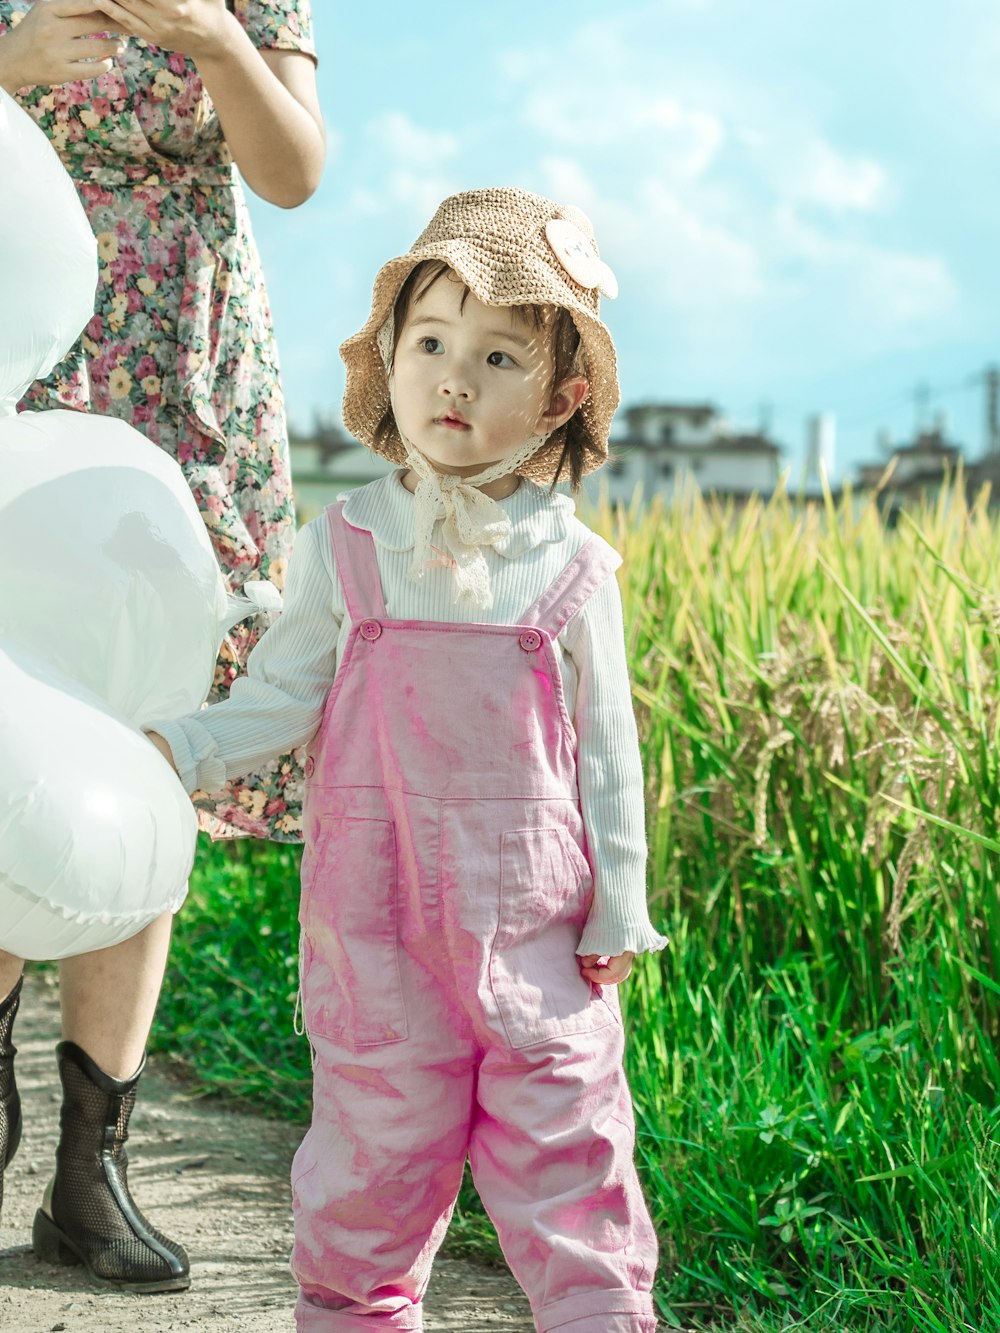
510	247
578	257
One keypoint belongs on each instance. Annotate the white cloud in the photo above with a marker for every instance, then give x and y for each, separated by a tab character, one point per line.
695	273
723	201
407	170
692	256
854	293
681	252
802	166
684	140
969	45
841	182
418	193
404	140
722	205
905	292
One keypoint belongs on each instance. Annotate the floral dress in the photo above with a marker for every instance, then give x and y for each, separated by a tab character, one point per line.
181	343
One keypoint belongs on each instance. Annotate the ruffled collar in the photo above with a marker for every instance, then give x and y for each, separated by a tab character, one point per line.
385	509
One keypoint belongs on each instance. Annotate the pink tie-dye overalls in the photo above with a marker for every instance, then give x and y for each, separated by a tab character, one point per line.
445	886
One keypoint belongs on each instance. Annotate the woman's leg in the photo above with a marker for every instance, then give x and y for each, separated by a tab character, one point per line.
10	1102
88	1215
109	998
10	972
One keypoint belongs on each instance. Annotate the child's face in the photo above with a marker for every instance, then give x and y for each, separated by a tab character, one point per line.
471	383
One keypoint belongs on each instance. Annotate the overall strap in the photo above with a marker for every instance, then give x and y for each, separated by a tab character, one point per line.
357	567
590	569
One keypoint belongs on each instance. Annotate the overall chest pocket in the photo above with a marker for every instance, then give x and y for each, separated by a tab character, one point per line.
351	991
545	894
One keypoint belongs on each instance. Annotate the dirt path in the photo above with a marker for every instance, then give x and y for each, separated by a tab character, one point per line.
216	1179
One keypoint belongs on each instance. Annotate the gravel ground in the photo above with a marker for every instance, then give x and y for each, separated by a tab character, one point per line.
214	1178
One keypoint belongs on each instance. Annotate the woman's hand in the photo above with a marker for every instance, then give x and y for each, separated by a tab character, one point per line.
605	971
266	101
55	43
193	28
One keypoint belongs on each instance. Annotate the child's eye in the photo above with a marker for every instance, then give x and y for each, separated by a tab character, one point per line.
500	359
432	346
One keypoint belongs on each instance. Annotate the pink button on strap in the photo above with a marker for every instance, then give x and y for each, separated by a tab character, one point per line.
370	630
530	640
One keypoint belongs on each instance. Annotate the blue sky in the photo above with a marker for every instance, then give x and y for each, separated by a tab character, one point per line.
799	197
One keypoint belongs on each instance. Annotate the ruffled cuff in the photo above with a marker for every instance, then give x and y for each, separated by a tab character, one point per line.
196	755
611	939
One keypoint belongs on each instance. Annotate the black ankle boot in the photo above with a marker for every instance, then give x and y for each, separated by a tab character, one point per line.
88	1215
10	1102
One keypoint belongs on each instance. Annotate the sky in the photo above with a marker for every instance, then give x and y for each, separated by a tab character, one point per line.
799	198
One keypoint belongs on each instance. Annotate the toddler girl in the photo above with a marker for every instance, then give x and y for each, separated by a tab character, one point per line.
473	881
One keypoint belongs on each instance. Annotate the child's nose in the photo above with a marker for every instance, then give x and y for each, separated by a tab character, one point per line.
457	382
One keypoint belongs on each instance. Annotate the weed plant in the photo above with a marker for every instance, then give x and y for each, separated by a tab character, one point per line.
814	1060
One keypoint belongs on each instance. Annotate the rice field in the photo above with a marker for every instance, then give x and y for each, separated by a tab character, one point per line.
815	1059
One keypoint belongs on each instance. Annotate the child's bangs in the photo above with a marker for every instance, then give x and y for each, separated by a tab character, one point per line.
424	275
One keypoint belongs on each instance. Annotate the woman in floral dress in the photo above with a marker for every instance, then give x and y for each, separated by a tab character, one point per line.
152	106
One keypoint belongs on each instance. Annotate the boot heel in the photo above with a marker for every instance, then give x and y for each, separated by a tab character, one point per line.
49	1243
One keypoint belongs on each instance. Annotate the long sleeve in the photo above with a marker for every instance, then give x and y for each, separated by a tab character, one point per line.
279	703
610	777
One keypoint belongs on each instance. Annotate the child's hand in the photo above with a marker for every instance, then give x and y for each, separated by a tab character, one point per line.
162	746
605	971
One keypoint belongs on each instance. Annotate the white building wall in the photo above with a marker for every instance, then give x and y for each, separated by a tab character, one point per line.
915	463
668	471
671	427
736	470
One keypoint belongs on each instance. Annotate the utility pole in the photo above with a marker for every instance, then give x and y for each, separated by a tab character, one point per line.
991	381
921	400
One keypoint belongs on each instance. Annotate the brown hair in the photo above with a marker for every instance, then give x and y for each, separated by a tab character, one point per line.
573	434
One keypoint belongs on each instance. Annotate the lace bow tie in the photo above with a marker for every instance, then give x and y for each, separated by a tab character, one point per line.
470	520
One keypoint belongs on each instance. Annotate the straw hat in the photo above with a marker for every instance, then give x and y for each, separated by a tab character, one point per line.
510	247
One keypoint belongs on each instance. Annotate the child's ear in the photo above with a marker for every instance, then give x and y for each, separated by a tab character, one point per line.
566	398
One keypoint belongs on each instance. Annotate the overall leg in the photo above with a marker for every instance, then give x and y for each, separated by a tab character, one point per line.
375	1181
88	1214
552	1156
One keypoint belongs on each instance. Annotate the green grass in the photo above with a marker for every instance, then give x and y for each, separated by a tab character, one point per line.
814	1061
228	1004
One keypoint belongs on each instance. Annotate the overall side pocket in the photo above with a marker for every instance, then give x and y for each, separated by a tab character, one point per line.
351	988
545	889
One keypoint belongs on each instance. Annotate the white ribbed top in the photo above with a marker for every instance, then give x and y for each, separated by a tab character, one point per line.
279	703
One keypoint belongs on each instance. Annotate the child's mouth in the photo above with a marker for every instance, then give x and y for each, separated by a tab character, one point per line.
453	421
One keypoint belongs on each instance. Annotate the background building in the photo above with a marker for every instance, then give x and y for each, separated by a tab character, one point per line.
666	446
327	462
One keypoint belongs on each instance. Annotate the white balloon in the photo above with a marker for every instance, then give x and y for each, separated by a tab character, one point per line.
112	606
48	256
97	835
106	569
